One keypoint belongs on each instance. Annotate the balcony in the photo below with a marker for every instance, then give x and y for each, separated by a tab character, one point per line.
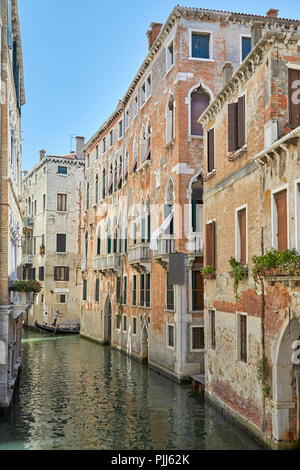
27	259
165	246
195	243
83	264
28	222
109	262
139	257
21	301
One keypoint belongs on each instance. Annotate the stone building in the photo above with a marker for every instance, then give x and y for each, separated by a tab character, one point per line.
143	194
12	98
51	203
251	206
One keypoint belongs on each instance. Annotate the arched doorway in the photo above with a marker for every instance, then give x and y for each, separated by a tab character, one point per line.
144	345
286	385
107	321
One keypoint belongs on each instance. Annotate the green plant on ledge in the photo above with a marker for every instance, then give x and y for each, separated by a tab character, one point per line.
207	270
26	286
263	372
240	272
274	262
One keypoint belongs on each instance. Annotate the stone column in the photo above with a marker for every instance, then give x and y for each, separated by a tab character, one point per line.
4	335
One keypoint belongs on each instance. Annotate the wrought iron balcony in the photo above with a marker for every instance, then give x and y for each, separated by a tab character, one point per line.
109	262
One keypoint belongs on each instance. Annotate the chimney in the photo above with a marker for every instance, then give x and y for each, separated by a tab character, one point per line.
79	147
42	154
272	13
153	33
227	72
256	33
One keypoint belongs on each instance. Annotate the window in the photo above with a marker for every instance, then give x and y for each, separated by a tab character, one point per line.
104	145
210	258
212	327
87	196
170	119
61	273
197	338
170	336
84	294
111	137
96	190
61	243
294	101
134	326
241	236
125	290
148	87
242	337
236	125
120	129
170	55
210	150
134	290
97	290
197	291
41	273
201	46
103	185
170	294
143	93
280	225
145	285
88	160
35	207
44	202
246	47
99	242
135	106
124	322
127	119
199	103
62	202
62	170
97	152
63	298
44	169
118	290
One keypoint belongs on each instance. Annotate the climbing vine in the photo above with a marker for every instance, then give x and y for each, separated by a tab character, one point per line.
240	272
274	262
263	372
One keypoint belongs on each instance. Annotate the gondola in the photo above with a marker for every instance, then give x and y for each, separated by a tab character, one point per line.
59	330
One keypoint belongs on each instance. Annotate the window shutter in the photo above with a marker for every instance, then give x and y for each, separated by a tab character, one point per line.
241	122
67	274
213	255
199	103
211	150
294	108
61	243
243	235
281	203
208	245
55	274
232	127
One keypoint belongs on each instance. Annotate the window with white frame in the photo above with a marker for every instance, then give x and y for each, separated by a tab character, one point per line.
111	137
245	47
242	337
170	55
104	145
241	235
135	106
120	129
280	219
201	47
197	338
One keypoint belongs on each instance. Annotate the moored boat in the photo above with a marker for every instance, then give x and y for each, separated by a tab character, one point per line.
62	329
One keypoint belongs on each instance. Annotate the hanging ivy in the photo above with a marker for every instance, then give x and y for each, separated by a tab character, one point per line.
240	272
263	372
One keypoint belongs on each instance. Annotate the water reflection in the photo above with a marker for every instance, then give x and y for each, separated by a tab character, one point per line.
75	394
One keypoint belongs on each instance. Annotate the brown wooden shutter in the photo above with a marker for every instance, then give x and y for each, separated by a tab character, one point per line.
232	127
199	103
294	108
281	203
241	122
213	251
208	245
211	150
211	245
243	235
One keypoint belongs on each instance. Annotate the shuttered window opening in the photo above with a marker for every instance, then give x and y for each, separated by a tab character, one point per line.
170	294
145	293
84	294
134	290
171	336
197	337
212	321
236	125
197	291
246	47
41	273
61	299
61	243
199	103
243	338
61	273
200	45
210	248
97	293
210	150
242	255
62	202
294	97
281	206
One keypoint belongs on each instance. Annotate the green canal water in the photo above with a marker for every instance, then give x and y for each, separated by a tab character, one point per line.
76	394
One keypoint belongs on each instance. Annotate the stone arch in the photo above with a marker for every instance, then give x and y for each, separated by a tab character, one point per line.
108	320
283	376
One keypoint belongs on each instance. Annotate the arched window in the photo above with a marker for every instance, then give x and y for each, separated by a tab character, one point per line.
103	185
170	119
169	204
199	103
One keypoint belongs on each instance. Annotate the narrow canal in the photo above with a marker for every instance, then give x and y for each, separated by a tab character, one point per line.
76	394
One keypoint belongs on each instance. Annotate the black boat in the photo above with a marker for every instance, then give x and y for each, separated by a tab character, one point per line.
62	329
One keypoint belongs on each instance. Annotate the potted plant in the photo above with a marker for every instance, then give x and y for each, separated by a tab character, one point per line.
276	263
23	288
208	272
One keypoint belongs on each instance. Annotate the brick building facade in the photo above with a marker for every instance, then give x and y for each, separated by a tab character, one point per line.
251	206
144	193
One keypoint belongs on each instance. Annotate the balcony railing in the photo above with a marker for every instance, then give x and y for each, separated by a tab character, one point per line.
139	253
28	222
21	298
165	246
27	259
110	262
195	243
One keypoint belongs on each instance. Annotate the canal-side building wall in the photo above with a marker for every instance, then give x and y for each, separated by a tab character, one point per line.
51	203
145	160
12	307
251	205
